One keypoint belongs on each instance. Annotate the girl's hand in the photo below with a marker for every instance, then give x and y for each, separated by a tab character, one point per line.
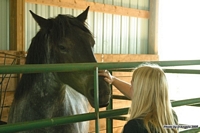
108	77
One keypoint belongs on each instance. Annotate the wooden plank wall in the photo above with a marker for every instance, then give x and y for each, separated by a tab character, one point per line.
8	82
7	57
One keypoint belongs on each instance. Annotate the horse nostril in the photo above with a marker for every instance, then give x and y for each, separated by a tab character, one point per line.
104	97
101	93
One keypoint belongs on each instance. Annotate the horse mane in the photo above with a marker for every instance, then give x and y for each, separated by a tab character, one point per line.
39	51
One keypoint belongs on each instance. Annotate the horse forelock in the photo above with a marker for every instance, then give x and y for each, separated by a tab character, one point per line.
74	35
63	25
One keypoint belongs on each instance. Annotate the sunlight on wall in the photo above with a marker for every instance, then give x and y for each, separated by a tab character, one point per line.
183	86
179	29
179	39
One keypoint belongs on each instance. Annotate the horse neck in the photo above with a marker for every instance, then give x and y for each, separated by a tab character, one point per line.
48	82
43	82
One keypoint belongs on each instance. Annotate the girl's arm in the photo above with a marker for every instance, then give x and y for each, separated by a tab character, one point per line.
122	86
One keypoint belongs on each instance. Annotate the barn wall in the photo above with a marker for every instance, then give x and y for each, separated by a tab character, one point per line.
4	24
114	34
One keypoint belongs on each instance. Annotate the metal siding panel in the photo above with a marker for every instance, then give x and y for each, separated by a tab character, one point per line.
133	29
30	24
108	30
4	25
107	35
133	35
117	2
108	2
113	34
116	34
54	11
133	4
98	32
90	21
124	35
41	11
76	12
125	3
66	11
117	26
111	37
142	29
143	4
142	42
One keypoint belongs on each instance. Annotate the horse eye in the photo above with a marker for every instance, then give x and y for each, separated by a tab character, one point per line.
61	47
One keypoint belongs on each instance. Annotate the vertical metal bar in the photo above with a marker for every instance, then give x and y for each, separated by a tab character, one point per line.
96	99
109	121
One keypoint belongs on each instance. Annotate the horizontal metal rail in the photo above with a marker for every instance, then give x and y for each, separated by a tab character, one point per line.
30	125
182	71
192	101
177	103
179	71
195	130
185	102
41	68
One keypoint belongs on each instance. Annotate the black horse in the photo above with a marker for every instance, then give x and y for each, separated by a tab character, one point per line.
64	39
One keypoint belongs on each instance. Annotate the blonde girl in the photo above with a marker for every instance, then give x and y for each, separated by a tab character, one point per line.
150	107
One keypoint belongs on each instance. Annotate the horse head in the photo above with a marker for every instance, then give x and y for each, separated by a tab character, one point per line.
68	40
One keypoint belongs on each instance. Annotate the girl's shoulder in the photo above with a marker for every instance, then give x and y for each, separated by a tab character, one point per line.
134	126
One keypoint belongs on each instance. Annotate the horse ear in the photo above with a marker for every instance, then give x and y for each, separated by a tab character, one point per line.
83	16
42	22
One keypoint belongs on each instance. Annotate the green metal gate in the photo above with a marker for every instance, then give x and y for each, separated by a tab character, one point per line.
109	113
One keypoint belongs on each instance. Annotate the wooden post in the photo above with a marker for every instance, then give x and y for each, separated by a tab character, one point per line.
17	25
153	27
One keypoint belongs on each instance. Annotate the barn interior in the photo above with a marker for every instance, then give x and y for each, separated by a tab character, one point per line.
125	31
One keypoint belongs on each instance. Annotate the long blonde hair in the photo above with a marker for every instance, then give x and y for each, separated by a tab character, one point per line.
150	101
